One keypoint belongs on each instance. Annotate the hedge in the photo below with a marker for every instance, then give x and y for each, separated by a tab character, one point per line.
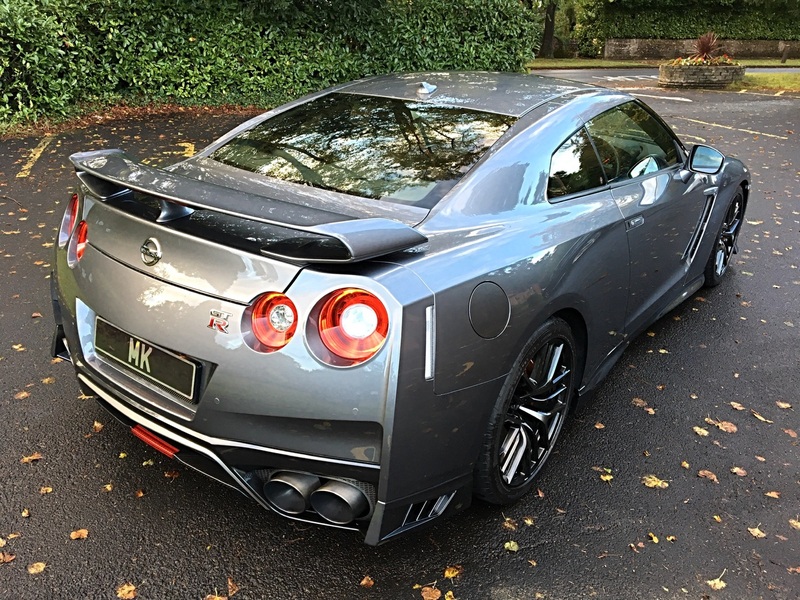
58	56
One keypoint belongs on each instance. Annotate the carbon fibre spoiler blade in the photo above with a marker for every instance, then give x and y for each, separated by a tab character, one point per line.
324	236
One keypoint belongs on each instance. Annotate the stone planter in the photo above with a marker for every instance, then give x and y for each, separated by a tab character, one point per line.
699	76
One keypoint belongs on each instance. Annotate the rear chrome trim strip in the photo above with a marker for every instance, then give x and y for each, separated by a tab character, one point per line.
212	441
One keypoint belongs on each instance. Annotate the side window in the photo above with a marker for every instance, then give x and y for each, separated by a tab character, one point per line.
574	167
631	142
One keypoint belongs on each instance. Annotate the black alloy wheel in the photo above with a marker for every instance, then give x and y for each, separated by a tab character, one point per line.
725	244
528	415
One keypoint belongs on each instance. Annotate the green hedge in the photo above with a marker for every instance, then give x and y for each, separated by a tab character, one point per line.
599	20
57	56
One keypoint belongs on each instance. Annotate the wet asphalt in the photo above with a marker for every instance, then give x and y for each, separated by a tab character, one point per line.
187	537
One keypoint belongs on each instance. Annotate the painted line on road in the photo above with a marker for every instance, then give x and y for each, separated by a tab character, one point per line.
34	156
675	98
779	137
780	93
694	137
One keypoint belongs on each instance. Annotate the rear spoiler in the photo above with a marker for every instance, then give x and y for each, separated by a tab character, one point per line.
324	236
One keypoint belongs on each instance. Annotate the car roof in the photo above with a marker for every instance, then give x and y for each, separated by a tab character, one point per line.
511	94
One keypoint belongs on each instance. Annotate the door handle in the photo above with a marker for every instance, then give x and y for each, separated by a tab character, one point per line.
634	222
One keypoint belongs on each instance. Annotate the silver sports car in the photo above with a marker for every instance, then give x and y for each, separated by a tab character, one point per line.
368	306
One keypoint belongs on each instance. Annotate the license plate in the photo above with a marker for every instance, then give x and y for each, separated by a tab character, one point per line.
165	368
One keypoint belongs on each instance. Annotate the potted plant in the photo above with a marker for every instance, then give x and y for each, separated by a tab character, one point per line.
708	67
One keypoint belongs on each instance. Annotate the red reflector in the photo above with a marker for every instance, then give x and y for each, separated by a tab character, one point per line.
152	440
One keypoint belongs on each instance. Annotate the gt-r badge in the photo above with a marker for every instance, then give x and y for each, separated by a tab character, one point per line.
151	251
219	321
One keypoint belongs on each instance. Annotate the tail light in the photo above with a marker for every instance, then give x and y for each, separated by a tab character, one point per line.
77	244
352	324
271	321
68	220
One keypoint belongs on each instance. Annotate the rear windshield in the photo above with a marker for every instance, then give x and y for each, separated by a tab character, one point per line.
382	148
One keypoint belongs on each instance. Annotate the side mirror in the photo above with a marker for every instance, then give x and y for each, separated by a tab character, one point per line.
703	159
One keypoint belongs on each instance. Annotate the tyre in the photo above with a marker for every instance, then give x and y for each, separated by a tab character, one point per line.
725	244
529	415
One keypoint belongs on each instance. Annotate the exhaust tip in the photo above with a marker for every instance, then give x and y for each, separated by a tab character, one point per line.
289	492
340	502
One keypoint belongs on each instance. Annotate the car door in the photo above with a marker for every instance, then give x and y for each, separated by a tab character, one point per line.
663	205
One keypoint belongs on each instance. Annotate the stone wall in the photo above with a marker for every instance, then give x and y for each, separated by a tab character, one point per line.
643	48
699	76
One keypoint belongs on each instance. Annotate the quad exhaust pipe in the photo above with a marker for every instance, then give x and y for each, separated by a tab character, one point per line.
337	501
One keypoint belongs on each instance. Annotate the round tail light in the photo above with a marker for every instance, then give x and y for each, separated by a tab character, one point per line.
68	221
353	324
272	321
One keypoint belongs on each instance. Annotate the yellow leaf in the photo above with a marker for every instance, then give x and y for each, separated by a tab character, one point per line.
430	593
97	427
759	417
756	532
652	481
663	351
453	572
13	536
108	487
79	534
701	431
510	524
45	489
795	524
532	563
760	458
127	591
783	404
29	459
49	380
2	543
708	475
638	402
606	477
653	537
449	595
717	584
122	455
367	582
232	587
739	471
672	538
649	410
599	425
21	395
773	494
528	521
36	568
737	406
25	513
718	519
511	546
215	596
727	426
685	464
6	557
139	493
148	463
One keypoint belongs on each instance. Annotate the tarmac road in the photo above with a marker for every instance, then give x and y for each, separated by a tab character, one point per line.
186	536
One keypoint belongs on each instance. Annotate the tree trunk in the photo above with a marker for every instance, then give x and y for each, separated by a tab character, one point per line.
546	51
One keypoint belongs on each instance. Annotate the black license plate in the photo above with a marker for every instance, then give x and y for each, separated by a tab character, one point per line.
166	369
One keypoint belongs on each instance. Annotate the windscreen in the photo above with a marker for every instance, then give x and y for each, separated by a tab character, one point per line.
382	148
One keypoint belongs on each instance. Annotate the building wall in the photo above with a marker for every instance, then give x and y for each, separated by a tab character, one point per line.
616	48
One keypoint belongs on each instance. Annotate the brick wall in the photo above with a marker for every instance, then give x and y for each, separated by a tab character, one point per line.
643	48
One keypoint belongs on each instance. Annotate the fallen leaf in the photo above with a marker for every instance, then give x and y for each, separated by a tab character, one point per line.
652	481
783	404
685	464
561	511
232	587
139	493
653	537
453	572
2	543
449	595
45	489
148	463
528	521
18	347
36	568
760	458
97	427
532	563
725	426
25	513
790	432
607	477
737	406
756	532
718	519
127	591
49	380
430	593
663	351
599	425
649	410
539	493
739	471
672	538
717	584
511	546
367	582
633	547
79	534
173	475
108	487
122	455
759	417
708	475
510	524
6	557
794	523
215	596
29	459
21	395
639	402
773	494
701	431
13	536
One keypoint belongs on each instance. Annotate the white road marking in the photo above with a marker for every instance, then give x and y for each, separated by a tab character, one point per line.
675	98
779	137
780	93
34	156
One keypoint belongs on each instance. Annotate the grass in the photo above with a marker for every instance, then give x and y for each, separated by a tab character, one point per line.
599	63
789	82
